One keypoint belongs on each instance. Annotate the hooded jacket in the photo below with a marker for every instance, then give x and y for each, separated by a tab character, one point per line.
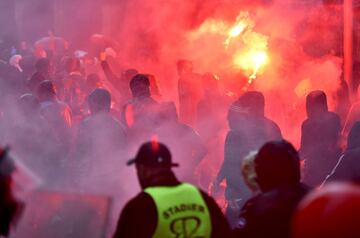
320	134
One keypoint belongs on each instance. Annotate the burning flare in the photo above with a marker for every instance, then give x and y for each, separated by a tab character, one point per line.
245	49
242	22
250	47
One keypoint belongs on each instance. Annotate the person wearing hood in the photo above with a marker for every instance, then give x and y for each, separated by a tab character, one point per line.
269	214
320	134
249	130
348	166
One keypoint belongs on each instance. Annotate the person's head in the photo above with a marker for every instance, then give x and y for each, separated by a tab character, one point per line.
99	101
152	161
316	103
184	67
140	86
248	171
353	141
34	81
28	104
250	104
277	164
329	212
46	91
253	102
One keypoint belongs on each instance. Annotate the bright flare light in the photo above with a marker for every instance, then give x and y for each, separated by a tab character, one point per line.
258	59
234	32
245	49
242	22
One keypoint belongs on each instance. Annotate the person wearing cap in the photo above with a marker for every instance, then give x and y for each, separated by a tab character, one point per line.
167	207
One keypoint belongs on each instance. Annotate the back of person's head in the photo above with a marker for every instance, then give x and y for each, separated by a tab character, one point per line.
42	65
28	104
152	160
330	212
353	141
99	101
34	81
253	102
46	91
250	104
140	86
316	103
277	164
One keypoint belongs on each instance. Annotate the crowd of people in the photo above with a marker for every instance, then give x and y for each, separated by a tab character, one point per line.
75	122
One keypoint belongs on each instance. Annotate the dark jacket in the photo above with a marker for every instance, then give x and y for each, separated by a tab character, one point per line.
320	134
139	216
249	134
348	167
269	214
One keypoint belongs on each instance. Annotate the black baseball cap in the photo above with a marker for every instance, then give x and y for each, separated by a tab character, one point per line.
153	154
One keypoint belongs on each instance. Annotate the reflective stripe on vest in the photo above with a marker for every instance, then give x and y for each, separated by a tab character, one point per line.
182	212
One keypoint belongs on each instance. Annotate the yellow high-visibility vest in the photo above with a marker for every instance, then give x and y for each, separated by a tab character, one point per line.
182	212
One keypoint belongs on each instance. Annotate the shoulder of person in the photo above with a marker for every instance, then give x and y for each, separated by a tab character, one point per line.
140	202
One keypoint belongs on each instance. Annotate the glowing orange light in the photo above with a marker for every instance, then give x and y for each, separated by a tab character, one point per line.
251	62
234	32
258	59
251	54
242	22
246	49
